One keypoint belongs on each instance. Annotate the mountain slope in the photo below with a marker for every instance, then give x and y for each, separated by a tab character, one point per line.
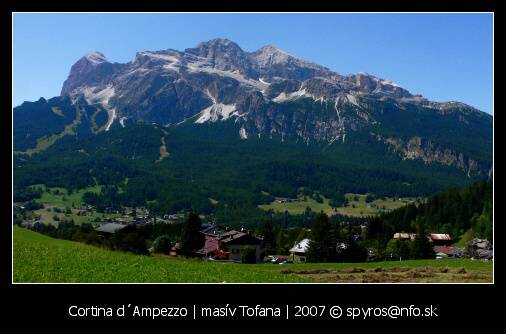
217	121
269	92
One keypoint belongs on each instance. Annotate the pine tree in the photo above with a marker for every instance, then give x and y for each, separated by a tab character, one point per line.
483	222
191	238
269	238
421	247
321	245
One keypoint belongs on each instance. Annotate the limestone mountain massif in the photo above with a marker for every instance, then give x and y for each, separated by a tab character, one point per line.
269	94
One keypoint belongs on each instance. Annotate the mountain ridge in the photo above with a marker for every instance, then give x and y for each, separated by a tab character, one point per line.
248	68
266	94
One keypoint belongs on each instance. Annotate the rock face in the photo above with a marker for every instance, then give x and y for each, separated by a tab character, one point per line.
416	148
269	93
170	86
479	249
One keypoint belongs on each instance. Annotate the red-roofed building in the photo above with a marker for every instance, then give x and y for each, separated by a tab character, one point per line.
439	239
443	249
228	246
211	246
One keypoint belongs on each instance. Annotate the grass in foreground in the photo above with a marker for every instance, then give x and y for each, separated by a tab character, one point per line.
38	258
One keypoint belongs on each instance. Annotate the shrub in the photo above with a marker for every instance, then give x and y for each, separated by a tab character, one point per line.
318	199
32	205
338	200
162	244
248	255
129	239
369	198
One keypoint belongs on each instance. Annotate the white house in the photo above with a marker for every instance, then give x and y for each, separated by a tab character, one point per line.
298	252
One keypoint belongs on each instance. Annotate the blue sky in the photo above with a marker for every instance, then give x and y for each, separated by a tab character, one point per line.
441	56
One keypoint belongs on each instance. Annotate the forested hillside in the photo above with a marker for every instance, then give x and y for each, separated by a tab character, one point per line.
457	211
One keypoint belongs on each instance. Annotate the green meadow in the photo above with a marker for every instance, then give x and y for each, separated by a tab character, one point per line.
63	198
38	258
357	205
60	199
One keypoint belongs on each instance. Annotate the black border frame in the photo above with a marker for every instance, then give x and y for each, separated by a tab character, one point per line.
46	306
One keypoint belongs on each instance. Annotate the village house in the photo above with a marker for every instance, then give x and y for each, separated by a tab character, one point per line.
18	207
122	220
174	217
441	242
221	244
234	242
405	236
285	200
82	212
447	252
87	207
109	229
439	239
298	251
212	230
212	249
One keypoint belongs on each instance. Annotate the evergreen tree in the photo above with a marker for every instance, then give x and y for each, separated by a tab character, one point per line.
338	200
267	231
321	247
483	222
191	237
398	249
421	246
354	251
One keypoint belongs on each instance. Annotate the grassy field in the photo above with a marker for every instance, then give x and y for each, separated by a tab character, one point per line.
38	258
47	215
300	206
63	200
356	207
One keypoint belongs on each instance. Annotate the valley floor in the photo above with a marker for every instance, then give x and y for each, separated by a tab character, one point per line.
38	258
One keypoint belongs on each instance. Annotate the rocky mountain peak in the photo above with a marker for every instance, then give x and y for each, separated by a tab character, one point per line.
216	48
370	84
221	54
269	55
269	48
91	68
95	58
